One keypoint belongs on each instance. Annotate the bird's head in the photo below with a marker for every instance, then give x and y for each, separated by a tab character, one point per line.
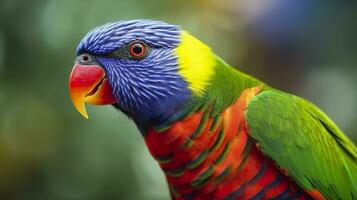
148	69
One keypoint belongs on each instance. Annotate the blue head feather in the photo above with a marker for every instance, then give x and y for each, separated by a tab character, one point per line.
148	90
111	36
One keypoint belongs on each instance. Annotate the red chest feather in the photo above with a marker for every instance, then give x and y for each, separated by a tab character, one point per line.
213	157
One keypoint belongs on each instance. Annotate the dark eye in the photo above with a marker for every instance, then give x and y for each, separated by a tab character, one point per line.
85	58
137	50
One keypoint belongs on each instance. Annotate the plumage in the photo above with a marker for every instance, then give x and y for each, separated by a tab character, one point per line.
216	132
205	157
296	127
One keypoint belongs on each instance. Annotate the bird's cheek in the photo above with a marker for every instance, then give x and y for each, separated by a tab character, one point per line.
88	84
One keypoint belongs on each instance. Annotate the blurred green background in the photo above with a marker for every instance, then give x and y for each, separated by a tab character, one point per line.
48	151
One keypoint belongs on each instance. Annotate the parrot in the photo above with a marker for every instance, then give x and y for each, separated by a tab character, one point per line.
215	131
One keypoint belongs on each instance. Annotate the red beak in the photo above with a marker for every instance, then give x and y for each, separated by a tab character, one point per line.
88	84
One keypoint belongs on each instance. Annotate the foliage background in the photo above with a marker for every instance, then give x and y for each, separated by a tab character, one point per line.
47	151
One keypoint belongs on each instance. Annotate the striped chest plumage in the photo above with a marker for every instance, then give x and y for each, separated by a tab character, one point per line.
213	157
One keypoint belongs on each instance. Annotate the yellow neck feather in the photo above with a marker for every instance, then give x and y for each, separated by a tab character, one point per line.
196	62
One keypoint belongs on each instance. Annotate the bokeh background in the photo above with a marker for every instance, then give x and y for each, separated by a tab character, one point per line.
49	152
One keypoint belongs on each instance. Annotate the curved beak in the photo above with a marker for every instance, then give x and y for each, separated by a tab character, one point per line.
88	84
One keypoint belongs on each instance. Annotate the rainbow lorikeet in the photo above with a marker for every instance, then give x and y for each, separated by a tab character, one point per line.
216	132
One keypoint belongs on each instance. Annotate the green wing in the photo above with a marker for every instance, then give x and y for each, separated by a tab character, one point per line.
298	137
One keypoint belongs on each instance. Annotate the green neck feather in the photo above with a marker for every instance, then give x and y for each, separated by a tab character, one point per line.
213	82
223	89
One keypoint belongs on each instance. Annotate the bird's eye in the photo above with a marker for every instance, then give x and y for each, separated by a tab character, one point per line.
137	50
85	58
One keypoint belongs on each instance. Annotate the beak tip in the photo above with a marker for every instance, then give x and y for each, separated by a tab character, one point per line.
79	104
85	115
82	110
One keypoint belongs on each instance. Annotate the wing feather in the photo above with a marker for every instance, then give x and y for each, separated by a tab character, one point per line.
303	140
